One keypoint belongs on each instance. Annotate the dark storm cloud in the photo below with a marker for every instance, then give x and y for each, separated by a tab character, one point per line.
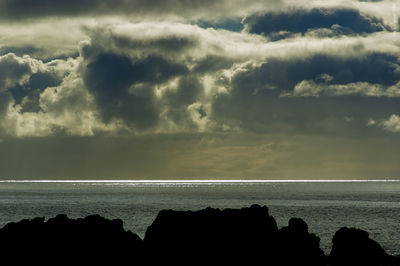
188	91
123	70
374	68
338	21
255	101
134	68
123	87
266	112
168	44
283	74
28	94
5	99
42	80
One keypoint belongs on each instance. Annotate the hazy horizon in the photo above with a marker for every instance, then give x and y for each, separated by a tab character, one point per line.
176	89
196	181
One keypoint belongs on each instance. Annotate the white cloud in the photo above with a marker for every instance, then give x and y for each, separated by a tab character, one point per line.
16	70
66	109
391	124
371	122
44	39
310	88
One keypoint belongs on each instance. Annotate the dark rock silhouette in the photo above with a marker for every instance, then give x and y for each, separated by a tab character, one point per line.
64	241
211	235
297	246
353	247
247	236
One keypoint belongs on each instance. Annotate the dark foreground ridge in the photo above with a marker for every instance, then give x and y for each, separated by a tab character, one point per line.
247	236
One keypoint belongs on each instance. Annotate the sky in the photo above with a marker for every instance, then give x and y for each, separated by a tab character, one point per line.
193	89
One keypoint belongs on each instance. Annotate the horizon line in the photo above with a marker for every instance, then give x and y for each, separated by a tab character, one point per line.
200	181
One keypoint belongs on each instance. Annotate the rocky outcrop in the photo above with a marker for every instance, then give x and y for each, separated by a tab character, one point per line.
297	246
63	241
353	247
247	236
212	236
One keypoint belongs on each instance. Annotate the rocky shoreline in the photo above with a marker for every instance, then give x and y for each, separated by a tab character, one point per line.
247	236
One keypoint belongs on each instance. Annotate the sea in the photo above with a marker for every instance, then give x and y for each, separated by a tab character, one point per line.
326	206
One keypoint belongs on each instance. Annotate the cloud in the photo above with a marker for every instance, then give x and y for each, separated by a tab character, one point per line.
168	77
285	73
15	70
23	9
181	100
390	124
160	79
358	87
124	88
117	83
174	41
28	94
317	21
19	50
43	39
46	99
62	109
309	88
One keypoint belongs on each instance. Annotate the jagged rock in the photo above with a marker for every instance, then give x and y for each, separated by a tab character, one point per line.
211	236
247	236
296	246
353	247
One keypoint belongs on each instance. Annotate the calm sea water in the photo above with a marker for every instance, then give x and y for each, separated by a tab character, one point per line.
325	206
